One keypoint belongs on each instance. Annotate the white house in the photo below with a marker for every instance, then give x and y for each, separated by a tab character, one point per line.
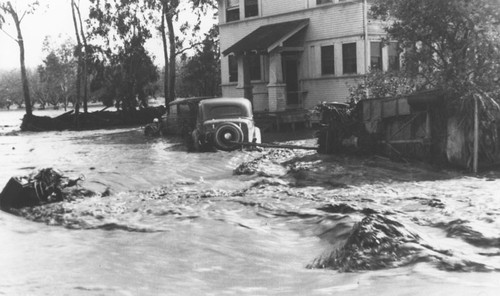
293	54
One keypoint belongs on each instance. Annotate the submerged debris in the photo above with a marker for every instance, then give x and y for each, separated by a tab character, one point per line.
268	165
460	228
375	242
40	187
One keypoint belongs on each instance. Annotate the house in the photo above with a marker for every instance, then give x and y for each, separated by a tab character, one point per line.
292	54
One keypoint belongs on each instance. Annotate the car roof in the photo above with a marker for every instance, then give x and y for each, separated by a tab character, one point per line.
188	100
225	101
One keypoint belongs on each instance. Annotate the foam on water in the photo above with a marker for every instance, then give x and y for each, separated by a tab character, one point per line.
178	223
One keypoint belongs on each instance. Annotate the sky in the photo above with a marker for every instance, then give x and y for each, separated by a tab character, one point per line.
53	18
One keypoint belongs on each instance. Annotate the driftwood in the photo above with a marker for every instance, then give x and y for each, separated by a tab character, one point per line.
269	145
93	120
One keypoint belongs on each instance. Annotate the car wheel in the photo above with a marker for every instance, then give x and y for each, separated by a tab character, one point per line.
227	136
151	131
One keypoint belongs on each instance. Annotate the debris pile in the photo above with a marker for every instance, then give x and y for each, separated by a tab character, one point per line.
41	187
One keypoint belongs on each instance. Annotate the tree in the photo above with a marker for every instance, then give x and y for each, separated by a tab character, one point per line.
57	75
82	50
11	89
170	14
454	44
200	75
125	67
18	15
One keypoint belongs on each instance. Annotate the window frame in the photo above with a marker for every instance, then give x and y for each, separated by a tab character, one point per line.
327	61
251	8
379	56
232	12
349	59
390	57
321	2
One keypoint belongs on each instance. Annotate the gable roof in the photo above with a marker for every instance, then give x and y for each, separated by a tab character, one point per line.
268	37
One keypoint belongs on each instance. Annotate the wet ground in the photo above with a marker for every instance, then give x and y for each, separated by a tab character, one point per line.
162	221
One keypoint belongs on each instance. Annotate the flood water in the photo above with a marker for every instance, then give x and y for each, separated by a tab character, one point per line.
179	223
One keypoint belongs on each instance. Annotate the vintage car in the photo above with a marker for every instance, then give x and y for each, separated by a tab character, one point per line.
179	120
223	123
208	123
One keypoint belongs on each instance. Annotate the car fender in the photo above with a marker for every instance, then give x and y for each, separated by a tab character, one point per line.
257	138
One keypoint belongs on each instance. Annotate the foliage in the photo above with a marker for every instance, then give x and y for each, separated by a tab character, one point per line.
11	90
57	74
170	11
124	68
17	14
379	84
200	75
115	22
453	45
126	79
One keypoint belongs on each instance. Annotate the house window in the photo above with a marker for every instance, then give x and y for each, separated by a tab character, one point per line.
393	53
319	2
327	60
349	58
232	10
376	56
251	8
233	69
254	63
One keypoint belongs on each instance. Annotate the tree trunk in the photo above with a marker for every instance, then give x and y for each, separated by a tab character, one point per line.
24	77
85	71
79	68
171	65
165	55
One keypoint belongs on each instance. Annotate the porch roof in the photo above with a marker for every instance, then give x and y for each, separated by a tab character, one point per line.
268	37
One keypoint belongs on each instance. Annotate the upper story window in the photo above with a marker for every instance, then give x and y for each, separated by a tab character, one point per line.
349	59
251	8
376	56
319	2
327	60
232	10
393	53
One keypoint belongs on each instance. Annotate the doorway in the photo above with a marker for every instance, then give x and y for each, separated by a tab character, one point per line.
291	78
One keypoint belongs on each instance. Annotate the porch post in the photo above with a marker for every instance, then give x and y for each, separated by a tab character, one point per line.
276	88
244	80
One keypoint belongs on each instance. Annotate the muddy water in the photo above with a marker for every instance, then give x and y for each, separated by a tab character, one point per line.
178	223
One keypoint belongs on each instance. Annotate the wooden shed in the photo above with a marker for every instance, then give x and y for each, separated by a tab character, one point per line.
420	126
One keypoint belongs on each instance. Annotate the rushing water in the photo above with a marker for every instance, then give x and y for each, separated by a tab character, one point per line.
179	223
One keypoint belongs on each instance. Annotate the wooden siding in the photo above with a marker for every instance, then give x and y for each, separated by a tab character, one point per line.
329	24
273	7
328	90
326	22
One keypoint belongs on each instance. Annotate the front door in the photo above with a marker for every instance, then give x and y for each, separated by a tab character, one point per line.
291	77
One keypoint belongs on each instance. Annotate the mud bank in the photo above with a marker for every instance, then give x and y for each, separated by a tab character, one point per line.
366	213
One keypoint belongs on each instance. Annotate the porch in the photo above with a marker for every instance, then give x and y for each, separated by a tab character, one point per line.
278	98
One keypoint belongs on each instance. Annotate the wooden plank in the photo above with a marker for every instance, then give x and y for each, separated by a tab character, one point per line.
269	145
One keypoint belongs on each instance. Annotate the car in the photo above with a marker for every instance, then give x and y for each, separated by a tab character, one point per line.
223	124
179	120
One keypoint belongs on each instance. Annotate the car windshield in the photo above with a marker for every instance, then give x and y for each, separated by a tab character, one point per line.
218	112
